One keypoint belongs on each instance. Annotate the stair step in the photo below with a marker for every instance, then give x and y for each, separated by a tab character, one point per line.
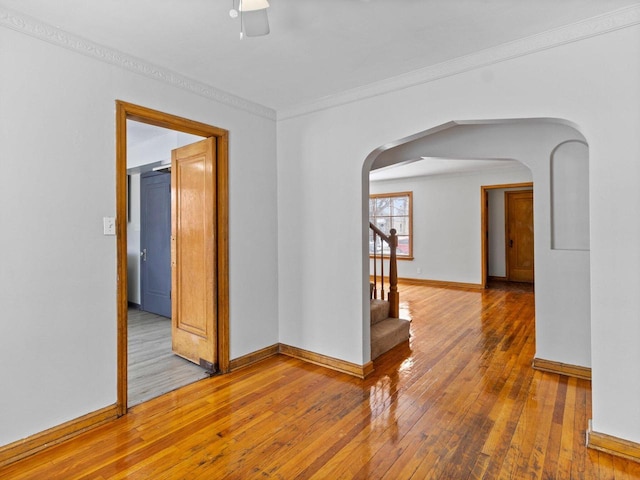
379	311
387	334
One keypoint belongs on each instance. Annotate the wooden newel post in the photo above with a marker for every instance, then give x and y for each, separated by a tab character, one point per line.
393	296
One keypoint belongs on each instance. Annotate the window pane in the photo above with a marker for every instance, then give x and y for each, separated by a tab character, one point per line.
382	206
387	212
400	206
403	246
384	224
401	224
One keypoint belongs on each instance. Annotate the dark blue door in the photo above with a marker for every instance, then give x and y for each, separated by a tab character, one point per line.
155	243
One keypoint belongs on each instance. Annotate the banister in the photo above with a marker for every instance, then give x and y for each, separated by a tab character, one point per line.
379	232
393	296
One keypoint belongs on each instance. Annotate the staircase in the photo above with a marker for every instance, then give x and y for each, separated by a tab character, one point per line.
387	330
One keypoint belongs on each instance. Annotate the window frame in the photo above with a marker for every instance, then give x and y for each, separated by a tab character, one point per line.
390	195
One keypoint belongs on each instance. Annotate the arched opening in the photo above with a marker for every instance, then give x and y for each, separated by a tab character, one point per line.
516	150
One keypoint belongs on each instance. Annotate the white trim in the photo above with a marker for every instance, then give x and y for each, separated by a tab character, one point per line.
43	31
621	18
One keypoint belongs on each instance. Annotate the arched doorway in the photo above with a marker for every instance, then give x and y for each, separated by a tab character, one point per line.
563	289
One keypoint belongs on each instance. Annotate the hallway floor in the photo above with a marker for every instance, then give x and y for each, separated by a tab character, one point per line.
459	401
153	368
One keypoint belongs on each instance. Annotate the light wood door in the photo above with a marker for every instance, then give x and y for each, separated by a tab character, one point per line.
193	252
519	236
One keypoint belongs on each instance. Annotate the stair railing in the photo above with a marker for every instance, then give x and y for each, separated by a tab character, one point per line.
392	241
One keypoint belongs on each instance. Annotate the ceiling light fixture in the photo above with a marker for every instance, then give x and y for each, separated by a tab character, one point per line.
253	17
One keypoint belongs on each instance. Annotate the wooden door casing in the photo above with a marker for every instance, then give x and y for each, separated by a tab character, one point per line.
125	112
193	252
519	236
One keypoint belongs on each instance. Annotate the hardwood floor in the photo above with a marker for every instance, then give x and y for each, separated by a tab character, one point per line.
461	402
153	369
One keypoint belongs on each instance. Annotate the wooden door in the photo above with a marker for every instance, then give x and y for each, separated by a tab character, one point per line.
155	244
519	236
193	252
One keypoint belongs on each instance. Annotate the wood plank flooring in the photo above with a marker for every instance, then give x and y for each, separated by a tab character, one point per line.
153	369
460	402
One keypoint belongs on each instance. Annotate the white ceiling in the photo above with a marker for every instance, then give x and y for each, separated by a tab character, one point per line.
429	166
138	133
316	48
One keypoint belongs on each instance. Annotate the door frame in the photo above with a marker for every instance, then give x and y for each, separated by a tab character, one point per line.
128	111
484	223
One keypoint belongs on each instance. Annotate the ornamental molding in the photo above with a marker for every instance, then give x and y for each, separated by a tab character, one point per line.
43	31
616	20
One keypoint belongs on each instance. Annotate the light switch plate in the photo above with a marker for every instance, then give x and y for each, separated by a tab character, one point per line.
109	225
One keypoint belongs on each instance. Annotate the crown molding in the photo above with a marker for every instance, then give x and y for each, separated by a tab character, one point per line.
599	25
48	33
618	19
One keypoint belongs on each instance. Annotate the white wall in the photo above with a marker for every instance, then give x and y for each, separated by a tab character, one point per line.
58	274
322	185
446	222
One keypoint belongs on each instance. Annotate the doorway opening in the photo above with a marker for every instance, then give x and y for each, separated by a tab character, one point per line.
496	243
153	368
159	295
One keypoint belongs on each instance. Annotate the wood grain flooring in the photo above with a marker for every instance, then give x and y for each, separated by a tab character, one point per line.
461	401
153	369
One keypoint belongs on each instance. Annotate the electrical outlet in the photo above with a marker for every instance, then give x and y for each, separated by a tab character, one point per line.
109	225
419	270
